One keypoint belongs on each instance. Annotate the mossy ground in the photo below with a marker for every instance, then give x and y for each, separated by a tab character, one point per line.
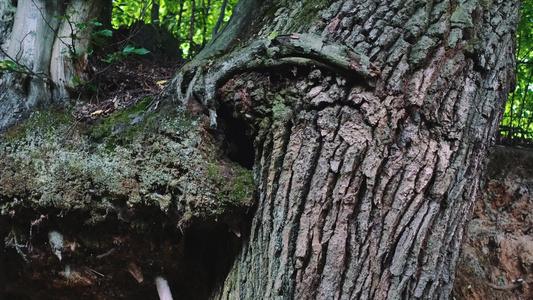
163	159
135	188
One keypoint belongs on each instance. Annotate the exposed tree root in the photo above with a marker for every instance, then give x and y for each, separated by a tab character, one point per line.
201	79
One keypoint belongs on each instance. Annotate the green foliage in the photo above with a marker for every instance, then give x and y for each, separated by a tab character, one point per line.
517	122
272	35
10	66
80	85
78	32
191	21
129	49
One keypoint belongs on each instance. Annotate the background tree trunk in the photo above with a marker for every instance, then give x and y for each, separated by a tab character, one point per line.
33	42
367	175
64	68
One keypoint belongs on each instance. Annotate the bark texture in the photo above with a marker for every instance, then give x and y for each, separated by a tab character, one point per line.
365	178
33	39
63	68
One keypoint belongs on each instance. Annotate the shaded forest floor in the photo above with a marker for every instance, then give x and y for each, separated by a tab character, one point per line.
122	83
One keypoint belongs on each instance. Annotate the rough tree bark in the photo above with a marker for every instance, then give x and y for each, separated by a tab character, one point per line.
372	121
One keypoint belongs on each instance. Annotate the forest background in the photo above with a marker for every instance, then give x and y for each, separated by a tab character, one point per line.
194	22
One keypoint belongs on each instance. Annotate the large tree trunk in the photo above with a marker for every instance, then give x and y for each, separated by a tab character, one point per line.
37	41
372	122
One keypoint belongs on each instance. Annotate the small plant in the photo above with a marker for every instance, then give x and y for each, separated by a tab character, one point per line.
96	37
119	55
12	66
80	85
77	32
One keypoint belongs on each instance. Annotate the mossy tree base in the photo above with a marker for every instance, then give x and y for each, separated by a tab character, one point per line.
131	192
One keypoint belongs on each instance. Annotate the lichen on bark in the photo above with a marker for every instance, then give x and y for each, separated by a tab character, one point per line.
371	204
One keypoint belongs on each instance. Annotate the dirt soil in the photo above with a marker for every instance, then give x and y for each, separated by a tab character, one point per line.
497	254
122	83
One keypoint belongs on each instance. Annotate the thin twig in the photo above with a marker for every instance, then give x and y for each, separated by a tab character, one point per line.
25	69
96	272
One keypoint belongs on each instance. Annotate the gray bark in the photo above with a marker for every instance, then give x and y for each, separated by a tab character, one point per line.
371	122
22	92
364	182
31	39
63	68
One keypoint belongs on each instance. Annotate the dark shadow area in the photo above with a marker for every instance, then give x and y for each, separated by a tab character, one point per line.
237	143
114	259
3	279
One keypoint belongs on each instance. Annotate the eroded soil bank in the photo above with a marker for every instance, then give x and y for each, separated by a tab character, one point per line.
98	208
497	254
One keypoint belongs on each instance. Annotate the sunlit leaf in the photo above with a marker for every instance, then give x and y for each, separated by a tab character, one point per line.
128	49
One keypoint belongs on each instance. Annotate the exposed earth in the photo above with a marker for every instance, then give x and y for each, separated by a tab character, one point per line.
122	83
129	195
497	254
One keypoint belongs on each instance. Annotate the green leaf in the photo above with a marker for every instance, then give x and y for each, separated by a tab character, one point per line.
128	49
12	65
105	32
272	35
140	51
81	26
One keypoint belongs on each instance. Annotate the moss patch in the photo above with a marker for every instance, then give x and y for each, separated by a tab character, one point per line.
236	185
122	126
47	122
242	188
128	160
